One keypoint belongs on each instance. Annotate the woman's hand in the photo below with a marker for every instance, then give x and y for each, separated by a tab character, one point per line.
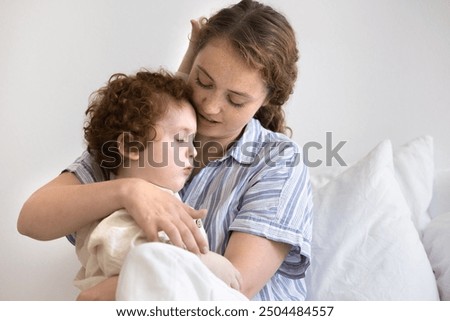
156	210
223	269
196	25
104	291
189	56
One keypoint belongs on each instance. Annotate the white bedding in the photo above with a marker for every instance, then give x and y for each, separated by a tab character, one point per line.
436	238
368	227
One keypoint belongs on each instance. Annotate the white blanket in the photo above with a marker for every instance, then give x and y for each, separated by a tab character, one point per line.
102	247
163	272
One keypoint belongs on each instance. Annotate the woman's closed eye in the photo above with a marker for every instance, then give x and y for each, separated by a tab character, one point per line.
203	84
234	103
205	81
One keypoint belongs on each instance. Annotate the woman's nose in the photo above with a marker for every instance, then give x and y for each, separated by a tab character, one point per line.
211	104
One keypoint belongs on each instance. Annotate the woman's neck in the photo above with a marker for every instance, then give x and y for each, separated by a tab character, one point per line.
210	149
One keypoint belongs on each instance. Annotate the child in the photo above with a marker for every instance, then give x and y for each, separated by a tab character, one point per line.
140	126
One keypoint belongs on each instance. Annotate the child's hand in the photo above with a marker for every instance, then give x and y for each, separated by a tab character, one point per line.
223	269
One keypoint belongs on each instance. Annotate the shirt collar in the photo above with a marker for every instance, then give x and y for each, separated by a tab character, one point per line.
247	147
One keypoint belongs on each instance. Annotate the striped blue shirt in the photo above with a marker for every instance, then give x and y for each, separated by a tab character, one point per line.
260	187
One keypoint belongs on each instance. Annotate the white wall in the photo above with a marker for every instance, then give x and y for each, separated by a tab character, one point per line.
369	70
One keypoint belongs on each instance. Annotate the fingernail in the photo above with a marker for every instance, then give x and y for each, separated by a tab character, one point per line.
205	250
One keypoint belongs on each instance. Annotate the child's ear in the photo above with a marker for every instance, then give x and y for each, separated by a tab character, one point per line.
131	153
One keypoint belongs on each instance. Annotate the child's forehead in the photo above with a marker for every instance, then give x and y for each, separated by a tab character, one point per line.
179	104
179	119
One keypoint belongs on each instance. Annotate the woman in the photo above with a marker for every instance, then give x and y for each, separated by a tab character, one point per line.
242	68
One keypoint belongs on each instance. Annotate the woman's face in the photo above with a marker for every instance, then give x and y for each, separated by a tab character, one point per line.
226	91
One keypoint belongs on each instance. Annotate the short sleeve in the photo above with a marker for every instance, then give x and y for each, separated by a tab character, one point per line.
278	205
87	170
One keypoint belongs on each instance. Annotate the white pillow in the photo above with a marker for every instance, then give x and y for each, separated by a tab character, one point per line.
414	170
324	176
436	239
441	193
365	246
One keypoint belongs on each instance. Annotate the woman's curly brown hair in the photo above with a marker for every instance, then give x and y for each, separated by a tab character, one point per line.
129	105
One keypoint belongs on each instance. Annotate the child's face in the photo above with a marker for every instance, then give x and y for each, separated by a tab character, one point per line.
168	159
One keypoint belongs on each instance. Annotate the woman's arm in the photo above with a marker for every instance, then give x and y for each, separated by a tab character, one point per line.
64	205
249	253
104	291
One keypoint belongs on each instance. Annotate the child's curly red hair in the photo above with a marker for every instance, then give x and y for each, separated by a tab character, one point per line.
131	105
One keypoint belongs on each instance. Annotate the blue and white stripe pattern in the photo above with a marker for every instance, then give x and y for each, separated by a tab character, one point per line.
87	170
260	187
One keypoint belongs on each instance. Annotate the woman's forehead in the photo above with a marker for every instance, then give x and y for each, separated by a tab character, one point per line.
222	62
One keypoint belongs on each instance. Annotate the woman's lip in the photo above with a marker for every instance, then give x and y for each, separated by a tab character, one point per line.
207	119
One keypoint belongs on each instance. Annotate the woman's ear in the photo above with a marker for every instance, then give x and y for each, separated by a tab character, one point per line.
127	151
